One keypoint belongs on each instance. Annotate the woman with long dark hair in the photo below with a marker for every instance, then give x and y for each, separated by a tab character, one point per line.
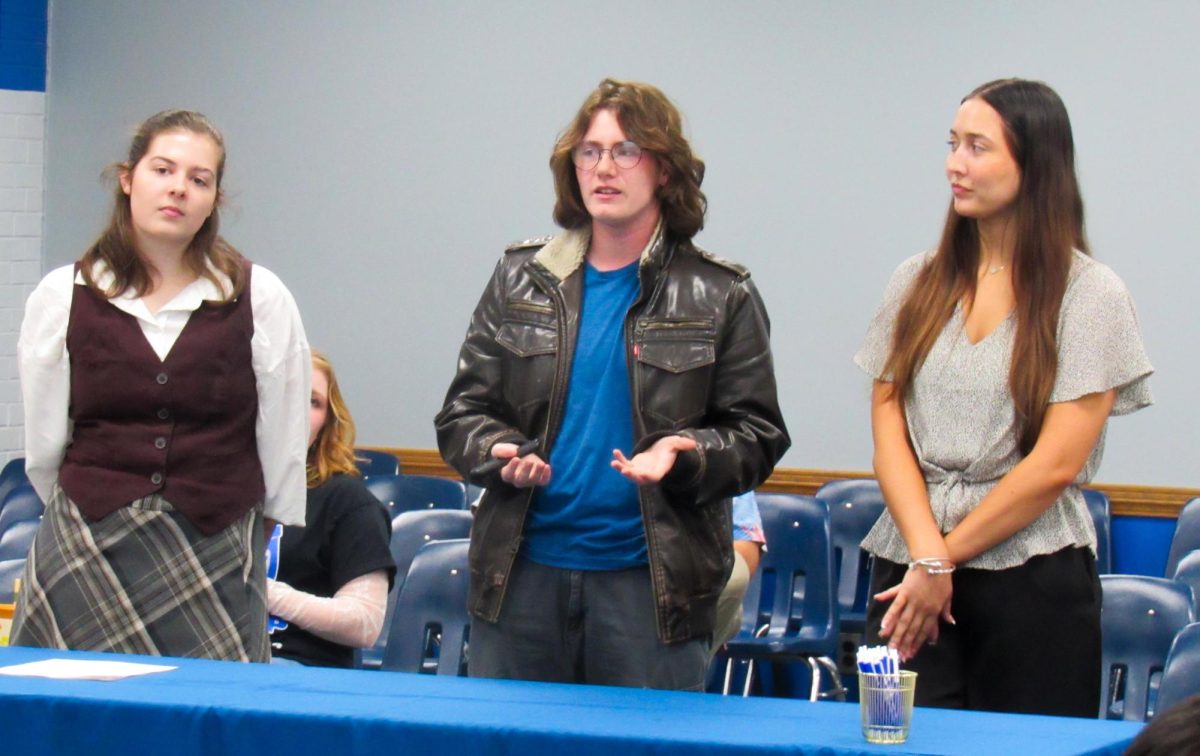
165	380
997	359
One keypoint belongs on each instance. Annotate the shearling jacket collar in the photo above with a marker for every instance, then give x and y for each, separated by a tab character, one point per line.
564	254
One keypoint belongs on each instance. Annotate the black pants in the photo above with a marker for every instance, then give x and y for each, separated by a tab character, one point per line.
1027	638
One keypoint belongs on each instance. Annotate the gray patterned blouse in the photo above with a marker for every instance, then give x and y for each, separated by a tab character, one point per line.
961	418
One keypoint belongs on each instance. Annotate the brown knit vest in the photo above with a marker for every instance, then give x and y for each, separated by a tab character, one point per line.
183	427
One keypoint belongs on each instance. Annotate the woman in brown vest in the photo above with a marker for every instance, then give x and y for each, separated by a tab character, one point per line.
165	380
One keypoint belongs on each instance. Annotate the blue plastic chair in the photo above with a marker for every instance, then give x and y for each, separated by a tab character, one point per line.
1188	573
411	531
386	488
371	463
20	518
1187	535
1101	512
473	494
854	506
405	493
1138	621
12	476
1181	675
431	627
20	504
790	612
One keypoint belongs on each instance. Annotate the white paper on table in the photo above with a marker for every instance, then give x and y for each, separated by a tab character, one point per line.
81	669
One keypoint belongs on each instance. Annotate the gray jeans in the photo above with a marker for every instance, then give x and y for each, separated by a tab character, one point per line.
583	626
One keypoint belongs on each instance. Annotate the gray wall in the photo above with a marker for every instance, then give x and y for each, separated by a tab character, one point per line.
383	153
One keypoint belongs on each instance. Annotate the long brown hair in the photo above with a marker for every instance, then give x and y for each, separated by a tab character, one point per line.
1049	225
648	118
333	449
116	247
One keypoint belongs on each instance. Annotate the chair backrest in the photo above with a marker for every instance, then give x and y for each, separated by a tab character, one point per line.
854	506
792	591
405	493
1187	535
19	505
1101	512
386	488
411	531
431	492
14	548
431	626
473	494
12	476
371	463
20	518
1181	675
1188	573
1138	621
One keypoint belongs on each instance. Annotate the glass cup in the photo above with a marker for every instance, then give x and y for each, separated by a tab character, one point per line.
885	704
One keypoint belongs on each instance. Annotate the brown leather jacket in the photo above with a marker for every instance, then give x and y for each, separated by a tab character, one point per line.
699	357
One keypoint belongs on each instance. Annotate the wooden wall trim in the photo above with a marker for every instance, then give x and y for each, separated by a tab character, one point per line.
1127	500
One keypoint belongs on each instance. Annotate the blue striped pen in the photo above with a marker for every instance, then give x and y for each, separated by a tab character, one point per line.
886	701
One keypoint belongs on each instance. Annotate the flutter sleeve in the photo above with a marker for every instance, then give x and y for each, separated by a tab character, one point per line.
877	345
1099	342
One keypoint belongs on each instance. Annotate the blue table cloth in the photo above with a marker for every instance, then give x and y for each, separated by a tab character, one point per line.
206	707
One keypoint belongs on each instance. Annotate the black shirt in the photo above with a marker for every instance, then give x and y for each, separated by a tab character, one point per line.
346	536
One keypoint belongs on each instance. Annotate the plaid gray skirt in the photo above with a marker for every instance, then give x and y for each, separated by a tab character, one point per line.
144	580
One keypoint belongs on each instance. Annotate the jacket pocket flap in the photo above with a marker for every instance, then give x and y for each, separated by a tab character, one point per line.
676	344
527	339
677	355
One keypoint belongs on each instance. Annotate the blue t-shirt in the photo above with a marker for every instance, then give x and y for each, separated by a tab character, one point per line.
589	518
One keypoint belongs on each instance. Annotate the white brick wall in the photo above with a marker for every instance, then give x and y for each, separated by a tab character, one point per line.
22	144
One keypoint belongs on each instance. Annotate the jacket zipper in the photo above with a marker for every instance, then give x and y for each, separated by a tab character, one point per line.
558	389
556	392
631	365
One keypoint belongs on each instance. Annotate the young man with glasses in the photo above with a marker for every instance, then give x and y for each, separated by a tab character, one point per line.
615	389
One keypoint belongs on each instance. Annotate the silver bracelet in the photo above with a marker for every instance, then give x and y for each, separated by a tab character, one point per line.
933	565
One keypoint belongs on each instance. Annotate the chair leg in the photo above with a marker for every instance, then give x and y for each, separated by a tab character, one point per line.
728	684
838	691
814	688
760	632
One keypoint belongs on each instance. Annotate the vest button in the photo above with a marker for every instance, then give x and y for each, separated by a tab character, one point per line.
163	414
161	378
156	479
160	443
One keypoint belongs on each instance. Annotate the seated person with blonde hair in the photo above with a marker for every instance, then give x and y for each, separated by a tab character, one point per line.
334	573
